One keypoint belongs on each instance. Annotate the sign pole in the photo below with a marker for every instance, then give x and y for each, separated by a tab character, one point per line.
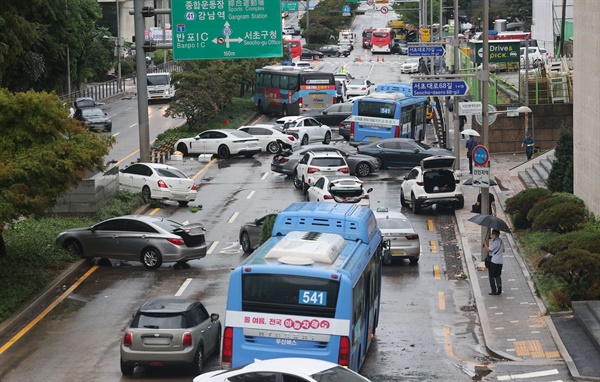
456	119
485	191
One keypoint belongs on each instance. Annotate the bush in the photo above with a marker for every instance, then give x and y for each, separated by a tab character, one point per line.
561	218
518	206
579	269
552	200
267	229
586	239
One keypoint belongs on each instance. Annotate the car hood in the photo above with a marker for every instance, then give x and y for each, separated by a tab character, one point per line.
95	119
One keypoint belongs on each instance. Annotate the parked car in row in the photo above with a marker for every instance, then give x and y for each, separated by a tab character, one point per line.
158	181
271	138
411	65
291	30
339	189
434	181
334	50
306	128
399	47
334	114
170	332
147	239
360	165
221	142
400	152
404	240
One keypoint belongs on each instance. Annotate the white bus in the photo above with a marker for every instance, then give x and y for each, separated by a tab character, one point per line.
160	86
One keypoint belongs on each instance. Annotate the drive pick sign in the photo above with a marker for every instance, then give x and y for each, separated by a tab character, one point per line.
481	155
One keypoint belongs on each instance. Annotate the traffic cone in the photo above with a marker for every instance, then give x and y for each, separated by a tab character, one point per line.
319	59
382	59
359	60
377	58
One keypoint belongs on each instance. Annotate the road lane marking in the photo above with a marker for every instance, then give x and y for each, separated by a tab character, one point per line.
212	247
47	310
134	125
442	300
433	245
450	350
256	120
235	215
534	374
264	176
182	287
250	194
204	168
430	225
154	211
436	272
115	134
132	154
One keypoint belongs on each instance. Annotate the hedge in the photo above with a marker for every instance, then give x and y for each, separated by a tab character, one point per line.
561	218
580	269
518	206
551	200
586	239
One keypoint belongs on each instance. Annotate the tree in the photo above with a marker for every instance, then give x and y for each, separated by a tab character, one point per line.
43	153
560	178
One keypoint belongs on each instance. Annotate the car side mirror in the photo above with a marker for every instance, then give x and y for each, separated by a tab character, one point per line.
324	112
196	137
369	190
415	151
214	317
405	177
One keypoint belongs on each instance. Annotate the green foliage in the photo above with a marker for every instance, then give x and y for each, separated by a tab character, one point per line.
33	258
43	152
561	218
560	178
267	229
579	269
586	239
324	24
519	205
552	200
550	288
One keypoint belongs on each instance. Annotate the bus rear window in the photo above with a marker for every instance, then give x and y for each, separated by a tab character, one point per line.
376	109
381	34
287	294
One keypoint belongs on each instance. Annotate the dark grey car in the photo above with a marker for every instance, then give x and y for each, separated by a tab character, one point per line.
250	233
334	114
401	152
95	118
359	165
148	239
170	332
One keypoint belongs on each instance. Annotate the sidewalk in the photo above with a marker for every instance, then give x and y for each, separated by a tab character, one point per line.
514	324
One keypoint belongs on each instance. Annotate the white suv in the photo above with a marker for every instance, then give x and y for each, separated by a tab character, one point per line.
309	130
313	165
433	182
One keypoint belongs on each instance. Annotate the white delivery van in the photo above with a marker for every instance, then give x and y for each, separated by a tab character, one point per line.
160	86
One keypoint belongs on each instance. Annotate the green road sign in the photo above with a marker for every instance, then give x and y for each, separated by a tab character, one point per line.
289	6
219	29
498	51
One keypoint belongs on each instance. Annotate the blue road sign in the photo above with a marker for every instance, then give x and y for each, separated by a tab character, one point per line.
426	50
346	9
439	88
481	155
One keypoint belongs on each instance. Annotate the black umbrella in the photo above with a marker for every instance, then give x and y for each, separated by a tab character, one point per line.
490	221
469	182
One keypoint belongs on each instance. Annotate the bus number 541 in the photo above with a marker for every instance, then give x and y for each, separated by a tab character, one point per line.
312	297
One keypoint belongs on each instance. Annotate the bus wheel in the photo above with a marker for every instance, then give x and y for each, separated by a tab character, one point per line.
259	106
327	138
284	110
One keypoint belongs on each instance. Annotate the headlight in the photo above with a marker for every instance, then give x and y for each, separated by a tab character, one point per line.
109	121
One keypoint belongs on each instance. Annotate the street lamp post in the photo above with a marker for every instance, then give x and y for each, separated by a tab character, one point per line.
119	47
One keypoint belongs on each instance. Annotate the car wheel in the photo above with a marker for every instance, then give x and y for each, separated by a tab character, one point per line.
460	204
223	152
362	169
109	129
304	140
403	202
74	247
151	258
273	147
327	138
198	362
259	107
337	54
217	350
127	368
304	187
284	110
183	203
379	162
245	242
183	148
297	182
413	260
146	192
416	206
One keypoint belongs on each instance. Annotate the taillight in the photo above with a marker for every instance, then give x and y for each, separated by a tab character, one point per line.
363	88
227	352
162	184
419	183
187	339
194	188
345	170
128	339
327	197
352	130
366	196
344	354
300	102
397	132
291	138
176	241
412	237
283	160
312	170
457	181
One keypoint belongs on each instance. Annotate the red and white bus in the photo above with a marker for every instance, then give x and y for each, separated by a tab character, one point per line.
366	37
382	40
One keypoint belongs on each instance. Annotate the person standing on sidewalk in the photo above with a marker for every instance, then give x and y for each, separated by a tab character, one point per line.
528	142
496	250
472	142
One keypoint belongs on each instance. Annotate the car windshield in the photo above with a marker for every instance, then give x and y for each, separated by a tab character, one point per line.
422	145
337	373
158	80
168	225
357	82
412	61
328	162
171	173
240	134
393	223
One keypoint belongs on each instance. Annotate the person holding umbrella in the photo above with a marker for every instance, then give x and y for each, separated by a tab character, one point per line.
495	250
472	142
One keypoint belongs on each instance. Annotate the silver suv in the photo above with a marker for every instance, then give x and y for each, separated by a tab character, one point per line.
170	332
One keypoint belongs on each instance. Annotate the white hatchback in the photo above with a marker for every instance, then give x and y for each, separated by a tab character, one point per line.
158	181
339	189
272	138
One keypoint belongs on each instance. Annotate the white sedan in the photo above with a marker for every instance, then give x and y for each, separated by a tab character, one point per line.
222	142
158	181
411	65
272	139
283	369
403	238
308	129
360	87
339	189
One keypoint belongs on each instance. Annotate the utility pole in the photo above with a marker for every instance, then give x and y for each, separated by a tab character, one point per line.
142	85
68	57
307	18
485	191
119	46
456	119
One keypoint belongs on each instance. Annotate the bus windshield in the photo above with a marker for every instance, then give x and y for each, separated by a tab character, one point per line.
376	109
286	294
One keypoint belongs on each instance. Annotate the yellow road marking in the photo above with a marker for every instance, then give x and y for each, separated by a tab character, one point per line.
442	300
433	246
132	154
430	225
256	120
204	168
154	211
450	350
436	271
47	310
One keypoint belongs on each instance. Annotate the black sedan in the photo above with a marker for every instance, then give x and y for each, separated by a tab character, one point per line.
334	114
334	50
95	118
399	47
250	233
359	165
308	54
401	152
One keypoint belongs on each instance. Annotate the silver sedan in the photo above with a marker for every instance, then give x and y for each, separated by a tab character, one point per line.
148	239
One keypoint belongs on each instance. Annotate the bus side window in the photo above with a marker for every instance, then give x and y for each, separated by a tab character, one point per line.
259	79
283	82
267	81
293	83
275	81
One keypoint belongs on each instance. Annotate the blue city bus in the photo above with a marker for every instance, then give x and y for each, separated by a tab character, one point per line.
289	90
312	290
390	112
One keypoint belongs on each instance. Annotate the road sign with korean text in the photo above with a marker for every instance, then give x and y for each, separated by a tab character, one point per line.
426	50
480	155
439	88
470	108
289	6
211	30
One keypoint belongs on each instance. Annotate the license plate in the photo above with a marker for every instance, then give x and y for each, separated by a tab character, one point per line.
399	252
318	105
373	139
